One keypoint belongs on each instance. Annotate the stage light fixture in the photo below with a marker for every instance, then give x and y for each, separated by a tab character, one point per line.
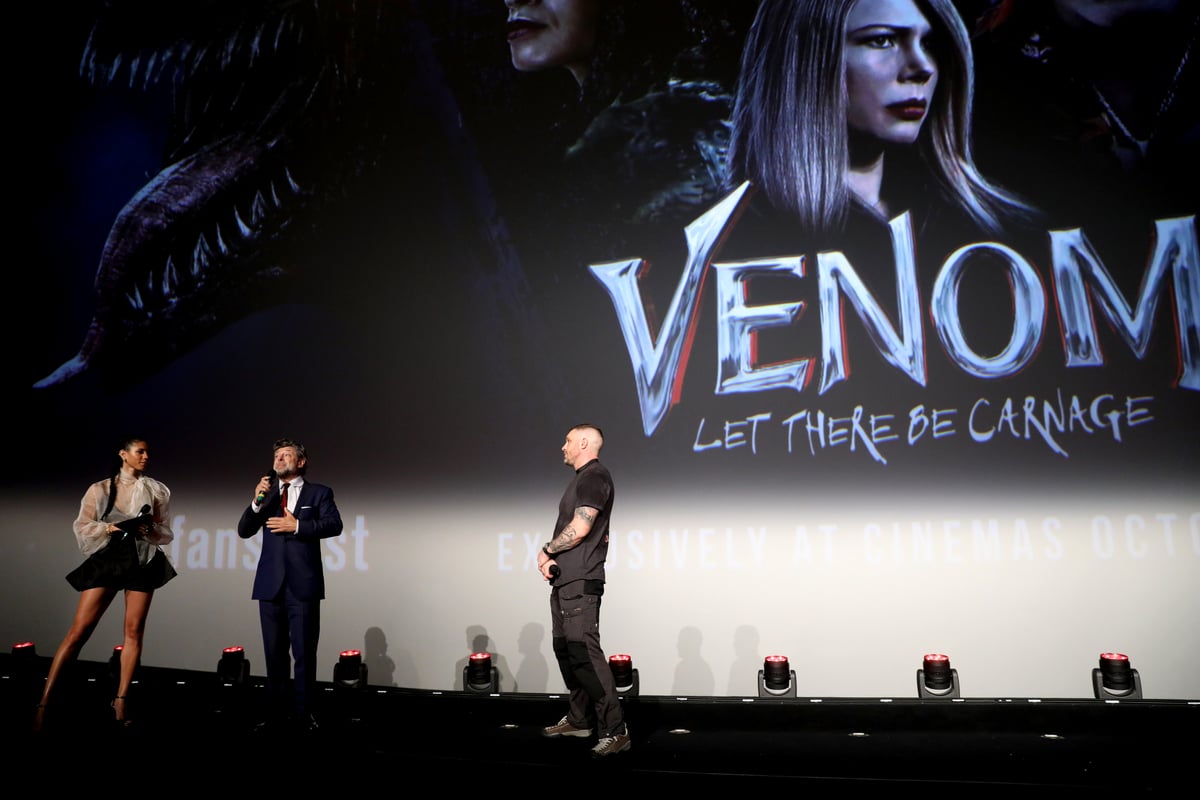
624	674
479	675
24	650
23	662
936	680
234	668
776	678
114	663
350	672
1116	679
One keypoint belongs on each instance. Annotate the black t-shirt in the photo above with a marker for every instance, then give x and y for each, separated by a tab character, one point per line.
592	486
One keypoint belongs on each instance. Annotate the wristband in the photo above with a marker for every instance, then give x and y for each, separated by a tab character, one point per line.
547	552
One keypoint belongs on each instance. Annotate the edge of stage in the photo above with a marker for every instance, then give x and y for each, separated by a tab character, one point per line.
200	729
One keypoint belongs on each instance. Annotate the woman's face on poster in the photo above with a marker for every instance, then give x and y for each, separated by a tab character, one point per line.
890	72
543	34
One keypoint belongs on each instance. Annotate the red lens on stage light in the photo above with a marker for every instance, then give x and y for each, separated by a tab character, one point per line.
621	665
24	651
1116	673
114	662
936	670
233	668
349	671
479	672
777	673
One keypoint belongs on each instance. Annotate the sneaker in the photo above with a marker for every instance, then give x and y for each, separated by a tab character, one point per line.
611	745
564	728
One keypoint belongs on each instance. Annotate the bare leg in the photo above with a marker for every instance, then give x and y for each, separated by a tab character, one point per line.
92	605
137	608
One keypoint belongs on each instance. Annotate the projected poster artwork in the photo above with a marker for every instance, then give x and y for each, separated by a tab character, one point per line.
889	311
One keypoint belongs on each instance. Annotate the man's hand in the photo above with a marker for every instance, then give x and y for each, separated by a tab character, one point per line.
285	524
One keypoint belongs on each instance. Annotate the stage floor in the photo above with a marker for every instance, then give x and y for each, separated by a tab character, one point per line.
201	733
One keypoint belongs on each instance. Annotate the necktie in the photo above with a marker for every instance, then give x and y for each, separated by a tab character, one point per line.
283	496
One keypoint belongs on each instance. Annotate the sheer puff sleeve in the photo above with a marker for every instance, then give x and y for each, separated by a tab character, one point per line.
91	533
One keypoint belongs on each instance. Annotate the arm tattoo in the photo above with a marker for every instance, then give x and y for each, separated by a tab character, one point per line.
564	541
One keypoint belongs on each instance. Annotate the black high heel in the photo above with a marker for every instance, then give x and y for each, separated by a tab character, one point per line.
119	717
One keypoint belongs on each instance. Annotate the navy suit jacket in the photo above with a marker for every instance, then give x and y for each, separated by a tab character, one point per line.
294	559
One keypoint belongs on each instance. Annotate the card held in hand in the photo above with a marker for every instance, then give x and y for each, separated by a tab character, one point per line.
134	524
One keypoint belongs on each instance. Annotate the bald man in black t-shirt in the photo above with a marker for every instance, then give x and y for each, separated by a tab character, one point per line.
578	549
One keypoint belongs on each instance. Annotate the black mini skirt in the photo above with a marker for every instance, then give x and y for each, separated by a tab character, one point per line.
116	566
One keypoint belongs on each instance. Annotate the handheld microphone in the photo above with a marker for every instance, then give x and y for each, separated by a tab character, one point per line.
145	510
261	496
555	571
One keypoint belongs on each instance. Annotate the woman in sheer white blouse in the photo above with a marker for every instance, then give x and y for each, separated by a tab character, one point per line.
123	523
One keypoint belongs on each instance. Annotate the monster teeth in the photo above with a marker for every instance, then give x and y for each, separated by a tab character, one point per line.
245	230
114	69
185	57
279	31
256	45
201	255
258	209
193	267
222	248
199	57
135	299
295	187
133	70
170	278
151	63
87	67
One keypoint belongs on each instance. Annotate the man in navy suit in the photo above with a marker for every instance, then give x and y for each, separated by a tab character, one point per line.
294	515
